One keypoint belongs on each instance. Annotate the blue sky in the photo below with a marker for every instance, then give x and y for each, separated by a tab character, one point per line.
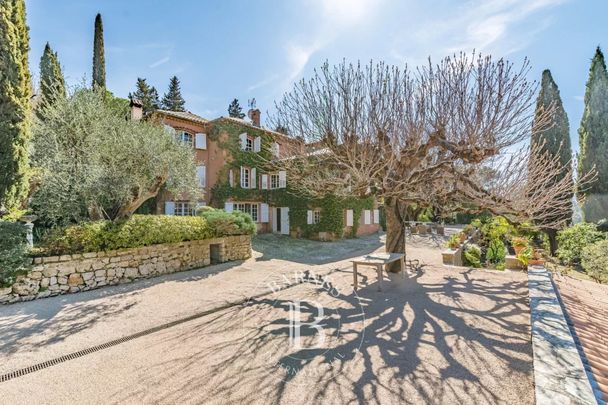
246	49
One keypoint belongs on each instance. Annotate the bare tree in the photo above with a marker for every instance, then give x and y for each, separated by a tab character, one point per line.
444	135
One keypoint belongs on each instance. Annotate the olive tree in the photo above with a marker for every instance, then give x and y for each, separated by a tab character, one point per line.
454	135
93	163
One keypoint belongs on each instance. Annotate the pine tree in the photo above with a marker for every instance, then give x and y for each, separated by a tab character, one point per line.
554	140
235	110
147	95
173	100
15	94
99	61
593	138
52	83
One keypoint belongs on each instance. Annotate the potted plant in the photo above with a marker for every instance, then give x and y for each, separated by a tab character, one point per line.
519	243
524	255
462	236
536	259
453	242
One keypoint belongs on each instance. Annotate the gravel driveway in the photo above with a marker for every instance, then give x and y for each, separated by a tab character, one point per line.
435	336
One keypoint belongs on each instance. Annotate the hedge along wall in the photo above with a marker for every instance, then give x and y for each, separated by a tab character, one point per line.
332	208
81	272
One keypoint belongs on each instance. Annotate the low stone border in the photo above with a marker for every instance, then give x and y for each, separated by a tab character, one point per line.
56	275
559	374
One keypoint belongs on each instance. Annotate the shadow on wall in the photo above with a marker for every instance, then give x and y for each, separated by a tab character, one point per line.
305	251
418	347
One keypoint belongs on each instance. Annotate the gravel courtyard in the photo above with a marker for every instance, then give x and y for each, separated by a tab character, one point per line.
437	335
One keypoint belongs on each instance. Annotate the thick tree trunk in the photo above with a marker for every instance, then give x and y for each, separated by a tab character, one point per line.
552	234
395	230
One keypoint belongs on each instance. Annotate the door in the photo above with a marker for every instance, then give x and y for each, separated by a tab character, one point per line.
284	222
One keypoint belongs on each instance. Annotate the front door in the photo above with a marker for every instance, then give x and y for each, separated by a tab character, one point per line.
283	222
276	220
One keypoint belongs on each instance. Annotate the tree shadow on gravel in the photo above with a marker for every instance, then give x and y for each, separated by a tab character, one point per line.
456	338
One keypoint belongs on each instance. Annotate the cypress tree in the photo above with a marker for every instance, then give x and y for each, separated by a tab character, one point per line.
15	94
52	83
235	110
554	141
173	100
593	138
99	61
147	95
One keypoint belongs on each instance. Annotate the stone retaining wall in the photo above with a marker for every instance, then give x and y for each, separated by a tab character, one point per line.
56	275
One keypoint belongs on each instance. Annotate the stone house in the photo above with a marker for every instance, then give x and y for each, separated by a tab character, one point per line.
234	169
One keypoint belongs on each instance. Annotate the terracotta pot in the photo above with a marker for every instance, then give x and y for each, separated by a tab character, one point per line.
536	262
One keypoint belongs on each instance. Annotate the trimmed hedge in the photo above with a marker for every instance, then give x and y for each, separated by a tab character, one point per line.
14	251
137	231
225	223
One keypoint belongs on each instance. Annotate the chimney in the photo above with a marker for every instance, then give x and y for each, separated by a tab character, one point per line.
137	111
254	115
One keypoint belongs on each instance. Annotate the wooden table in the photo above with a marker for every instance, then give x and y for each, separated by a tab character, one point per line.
377	260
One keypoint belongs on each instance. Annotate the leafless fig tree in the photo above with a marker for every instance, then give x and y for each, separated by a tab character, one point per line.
449	135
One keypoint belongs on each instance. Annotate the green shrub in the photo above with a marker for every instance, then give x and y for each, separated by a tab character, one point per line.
13	251
229	223
472	256
453	242
525	255
139	230
573	240
496	252
496	228
594	259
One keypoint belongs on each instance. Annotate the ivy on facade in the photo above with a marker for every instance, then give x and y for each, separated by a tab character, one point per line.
332	207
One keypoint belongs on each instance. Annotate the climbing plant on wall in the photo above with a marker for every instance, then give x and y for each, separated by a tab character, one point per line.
226	133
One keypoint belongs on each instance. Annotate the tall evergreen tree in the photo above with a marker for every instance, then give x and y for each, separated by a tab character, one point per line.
15	94
235	110
52	83
593	138
99	60
147	95
553	140
173	100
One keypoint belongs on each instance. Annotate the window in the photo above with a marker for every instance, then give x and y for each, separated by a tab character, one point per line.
186	138
249	144
274	181
248	208
246	179
316	216
184	208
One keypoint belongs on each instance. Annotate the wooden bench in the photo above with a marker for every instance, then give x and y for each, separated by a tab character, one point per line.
377	260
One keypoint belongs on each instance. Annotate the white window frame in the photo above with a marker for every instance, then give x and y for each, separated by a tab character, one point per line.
184	209
316	216
252	209
186	138
274	181
245	177
249	144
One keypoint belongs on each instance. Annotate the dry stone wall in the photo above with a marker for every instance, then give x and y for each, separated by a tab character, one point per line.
65	274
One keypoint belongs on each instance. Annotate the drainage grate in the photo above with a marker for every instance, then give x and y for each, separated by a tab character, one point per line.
40	366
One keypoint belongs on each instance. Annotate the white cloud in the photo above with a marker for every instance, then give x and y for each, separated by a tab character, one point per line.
159	62
335	18
262	83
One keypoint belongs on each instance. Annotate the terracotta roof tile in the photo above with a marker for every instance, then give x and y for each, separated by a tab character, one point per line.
586	308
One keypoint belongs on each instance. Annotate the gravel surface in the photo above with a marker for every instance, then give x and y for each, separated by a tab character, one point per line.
435	336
